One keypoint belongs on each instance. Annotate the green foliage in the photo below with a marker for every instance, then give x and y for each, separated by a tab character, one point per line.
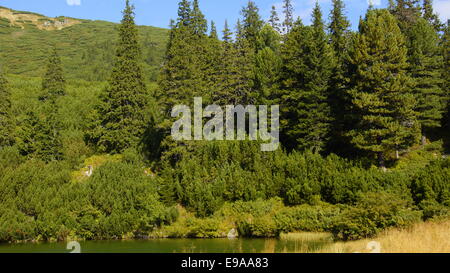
381	91
87	45
40	203
120	120
431	183
426	70
372	214
6	119
204	189
251	24
306	71
53	83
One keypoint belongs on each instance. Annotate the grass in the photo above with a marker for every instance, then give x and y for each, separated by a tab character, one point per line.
87	49
428	237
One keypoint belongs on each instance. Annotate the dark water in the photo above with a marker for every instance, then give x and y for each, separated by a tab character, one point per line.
170	246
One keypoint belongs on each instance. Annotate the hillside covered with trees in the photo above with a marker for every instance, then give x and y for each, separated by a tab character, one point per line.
86	150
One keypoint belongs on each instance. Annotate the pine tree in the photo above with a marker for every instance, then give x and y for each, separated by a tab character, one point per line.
183	75
252	24
268	65
340	103
274	20
288	10
307	60
227	34
40	133
407	13
213	60
6	119
198	22
213	33
381	88
121	114
53	83
430	16
184	13
446	86
426	69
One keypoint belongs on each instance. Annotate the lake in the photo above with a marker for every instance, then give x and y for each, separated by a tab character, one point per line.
172	246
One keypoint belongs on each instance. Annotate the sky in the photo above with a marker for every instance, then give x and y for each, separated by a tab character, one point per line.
159	12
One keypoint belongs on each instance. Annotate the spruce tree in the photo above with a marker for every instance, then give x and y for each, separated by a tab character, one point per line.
268	65
40	133
426	69
197	20
430	16
223	94
288	11
53	83
274	20
306	72
381	90
40	136
6	118
121	115
213	33
184	13
340	103
446	86
251	24
407	13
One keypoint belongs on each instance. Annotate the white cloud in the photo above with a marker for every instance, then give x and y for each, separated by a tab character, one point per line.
442	7
73	2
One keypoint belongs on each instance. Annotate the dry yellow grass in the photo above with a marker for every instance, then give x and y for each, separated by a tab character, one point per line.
429	237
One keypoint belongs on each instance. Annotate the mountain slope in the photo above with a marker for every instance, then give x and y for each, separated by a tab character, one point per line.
86	47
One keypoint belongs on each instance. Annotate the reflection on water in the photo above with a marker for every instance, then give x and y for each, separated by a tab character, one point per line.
173	246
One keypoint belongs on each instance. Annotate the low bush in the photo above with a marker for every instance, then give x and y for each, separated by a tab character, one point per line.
373	213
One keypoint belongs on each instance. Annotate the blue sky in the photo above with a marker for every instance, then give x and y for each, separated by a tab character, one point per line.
159	12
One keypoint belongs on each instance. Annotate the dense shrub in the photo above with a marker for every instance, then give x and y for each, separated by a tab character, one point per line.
432	183
215	173
373	213
38	202
317	218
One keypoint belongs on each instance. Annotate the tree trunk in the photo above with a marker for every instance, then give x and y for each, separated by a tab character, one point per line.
397	154
381	162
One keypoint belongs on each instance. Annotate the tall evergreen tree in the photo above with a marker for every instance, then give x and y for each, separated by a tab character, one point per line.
307	60
426	69
274	20
227	33
268	65
6	118
53	83
184	13
251	24
381	88
340	102
213	33
288	11
121	115
446	86
198	22
430	15
407	12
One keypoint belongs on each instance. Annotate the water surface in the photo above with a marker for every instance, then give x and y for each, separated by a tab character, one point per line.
171	246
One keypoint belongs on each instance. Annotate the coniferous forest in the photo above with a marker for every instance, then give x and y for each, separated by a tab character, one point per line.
364	130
